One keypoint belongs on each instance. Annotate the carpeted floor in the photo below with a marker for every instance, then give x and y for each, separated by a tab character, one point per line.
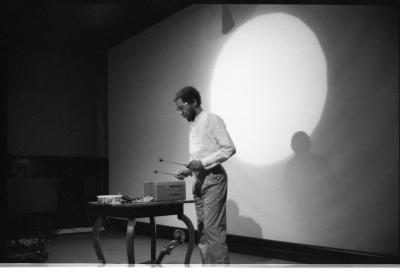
78	249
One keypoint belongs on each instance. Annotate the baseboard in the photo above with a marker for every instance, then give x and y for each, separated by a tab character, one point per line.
294	252
301	253
165	232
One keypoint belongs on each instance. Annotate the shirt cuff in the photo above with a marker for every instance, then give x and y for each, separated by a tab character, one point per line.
205	162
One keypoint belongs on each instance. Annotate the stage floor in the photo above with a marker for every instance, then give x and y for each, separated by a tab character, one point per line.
77	248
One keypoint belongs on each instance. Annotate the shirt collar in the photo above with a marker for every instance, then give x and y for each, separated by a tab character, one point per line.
197	118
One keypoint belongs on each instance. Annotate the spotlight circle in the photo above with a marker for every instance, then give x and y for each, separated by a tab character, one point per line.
269	82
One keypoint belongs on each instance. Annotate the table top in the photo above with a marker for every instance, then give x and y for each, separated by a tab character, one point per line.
141	204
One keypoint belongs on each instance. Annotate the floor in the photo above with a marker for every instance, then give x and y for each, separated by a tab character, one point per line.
78	249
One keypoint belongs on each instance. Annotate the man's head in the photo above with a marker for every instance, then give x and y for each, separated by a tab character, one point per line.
188	102
301	143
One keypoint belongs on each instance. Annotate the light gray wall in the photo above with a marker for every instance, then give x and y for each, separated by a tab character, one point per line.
357	135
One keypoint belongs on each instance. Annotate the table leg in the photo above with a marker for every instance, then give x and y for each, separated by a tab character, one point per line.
96	239
190	229
130	233
153	240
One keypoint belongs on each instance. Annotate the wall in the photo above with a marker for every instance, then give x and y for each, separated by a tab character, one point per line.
56	137
56	101
356	136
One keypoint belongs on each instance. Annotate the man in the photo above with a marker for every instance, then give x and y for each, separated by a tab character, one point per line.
209	145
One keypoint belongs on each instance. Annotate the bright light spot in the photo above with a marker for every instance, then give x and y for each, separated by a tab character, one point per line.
269	82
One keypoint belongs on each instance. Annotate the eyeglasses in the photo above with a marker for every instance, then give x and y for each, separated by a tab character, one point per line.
181	107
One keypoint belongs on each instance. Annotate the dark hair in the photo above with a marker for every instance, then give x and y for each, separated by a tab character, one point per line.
188	94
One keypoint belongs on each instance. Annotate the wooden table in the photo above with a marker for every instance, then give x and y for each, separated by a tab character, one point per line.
131	211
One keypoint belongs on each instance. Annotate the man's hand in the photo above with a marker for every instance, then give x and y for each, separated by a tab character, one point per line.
195	165
182	174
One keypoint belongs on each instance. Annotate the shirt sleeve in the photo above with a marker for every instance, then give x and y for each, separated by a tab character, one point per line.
225	149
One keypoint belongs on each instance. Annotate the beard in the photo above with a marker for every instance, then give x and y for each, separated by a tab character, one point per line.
190	115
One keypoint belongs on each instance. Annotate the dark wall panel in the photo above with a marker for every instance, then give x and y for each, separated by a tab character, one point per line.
56	103
56	137
49	193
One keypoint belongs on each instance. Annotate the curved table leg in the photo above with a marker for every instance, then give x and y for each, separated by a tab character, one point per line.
153	240
130	233
190	229
96	239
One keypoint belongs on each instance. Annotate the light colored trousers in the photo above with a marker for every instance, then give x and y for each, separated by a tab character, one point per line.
210	192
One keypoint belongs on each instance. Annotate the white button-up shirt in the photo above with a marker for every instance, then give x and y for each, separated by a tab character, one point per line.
209	140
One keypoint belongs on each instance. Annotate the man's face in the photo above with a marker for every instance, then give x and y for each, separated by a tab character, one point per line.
185	109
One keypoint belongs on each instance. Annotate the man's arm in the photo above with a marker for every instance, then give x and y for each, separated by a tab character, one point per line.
226	147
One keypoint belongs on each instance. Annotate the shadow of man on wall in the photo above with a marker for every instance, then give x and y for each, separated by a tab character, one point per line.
240	224
311	188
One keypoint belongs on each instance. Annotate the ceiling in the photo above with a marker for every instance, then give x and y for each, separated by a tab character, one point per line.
92	27
82	27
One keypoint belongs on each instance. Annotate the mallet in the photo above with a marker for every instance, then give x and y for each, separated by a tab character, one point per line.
156	171
171	162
